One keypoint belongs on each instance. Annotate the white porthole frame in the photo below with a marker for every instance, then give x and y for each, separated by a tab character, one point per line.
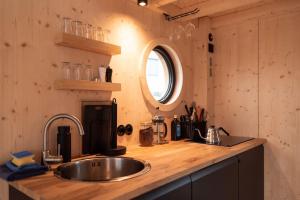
177	95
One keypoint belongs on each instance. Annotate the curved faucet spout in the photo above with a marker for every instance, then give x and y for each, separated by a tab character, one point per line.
46	153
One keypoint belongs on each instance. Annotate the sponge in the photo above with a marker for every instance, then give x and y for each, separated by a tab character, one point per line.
22	158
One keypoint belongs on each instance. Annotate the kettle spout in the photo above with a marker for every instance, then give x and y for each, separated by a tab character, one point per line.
199	132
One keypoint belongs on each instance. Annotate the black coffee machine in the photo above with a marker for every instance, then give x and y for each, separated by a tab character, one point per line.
100	126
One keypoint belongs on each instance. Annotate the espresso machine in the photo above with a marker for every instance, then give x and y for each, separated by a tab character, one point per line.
100	127
160	129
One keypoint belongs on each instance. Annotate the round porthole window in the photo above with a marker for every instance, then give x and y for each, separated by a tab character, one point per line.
161	75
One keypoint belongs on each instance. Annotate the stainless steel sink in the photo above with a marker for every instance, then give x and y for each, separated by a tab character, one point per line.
103	169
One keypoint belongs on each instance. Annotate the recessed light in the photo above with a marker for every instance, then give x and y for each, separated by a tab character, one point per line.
142	2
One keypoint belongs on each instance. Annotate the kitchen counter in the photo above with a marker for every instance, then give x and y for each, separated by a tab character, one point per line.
168	163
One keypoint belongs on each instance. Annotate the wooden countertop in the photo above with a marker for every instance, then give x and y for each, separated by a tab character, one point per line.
168	163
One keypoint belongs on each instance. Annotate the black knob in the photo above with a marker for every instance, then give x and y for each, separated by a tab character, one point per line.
128	129
121	130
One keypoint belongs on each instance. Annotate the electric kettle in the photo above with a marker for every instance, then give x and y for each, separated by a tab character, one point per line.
213	135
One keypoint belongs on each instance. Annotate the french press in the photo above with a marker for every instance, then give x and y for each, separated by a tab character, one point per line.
160	129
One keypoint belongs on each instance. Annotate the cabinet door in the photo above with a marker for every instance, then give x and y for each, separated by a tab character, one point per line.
176	190
217	182
251	174
15	194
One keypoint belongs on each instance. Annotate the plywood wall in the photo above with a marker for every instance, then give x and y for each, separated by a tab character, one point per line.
236	78
257	88
31	62
202	81
279	103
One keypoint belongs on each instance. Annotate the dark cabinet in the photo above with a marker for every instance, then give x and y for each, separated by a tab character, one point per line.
176	190
217	182
15	194
251	174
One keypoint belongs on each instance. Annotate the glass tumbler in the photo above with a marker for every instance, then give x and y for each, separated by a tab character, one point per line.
77	28
99	35
67	26
66	70
189	28
88	31
106	35
88	73
77	71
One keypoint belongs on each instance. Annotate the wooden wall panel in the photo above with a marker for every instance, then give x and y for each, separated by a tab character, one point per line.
236	78
202	81
279	104
30	62
274	74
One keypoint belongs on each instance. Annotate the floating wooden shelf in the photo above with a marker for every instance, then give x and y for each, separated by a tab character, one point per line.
86	85
73	41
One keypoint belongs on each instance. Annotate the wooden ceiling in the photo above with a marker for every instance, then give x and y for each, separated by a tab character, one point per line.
206	7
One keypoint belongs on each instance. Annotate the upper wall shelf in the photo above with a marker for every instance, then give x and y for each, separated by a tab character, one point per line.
82	43
86	85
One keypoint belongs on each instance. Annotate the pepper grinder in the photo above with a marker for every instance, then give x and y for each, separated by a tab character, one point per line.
108	74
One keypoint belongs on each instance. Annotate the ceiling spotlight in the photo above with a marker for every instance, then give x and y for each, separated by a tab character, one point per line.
142	2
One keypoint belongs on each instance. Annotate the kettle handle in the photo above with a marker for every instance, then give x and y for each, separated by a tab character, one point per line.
199	132
166	130
222	129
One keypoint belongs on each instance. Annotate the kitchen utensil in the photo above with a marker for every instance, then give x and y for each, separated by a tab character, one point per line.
201	117
160	129
213	135
187	110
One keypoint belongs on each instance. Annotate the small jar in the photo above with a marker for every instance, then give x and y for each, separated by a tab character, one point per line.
146	134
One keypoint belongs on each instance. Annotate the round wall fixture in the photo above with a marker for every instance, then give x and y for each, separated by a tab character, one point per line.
161	75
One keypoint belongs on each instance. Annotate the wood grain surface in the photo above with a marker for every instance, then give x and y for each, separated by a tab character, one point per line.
86	85
168	163
82	43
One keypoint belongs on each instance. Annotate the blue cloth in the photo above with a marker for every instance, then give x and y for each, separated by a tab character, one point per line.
10	172
22	154
15	168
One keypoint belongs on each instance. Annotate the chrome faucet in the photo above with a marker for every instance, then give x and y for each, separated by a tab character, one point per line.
47	157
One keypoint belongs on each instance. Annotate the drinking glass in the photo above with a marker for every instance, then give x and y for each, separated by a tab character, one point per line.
88	31
189	28
178	31
66	26
88	73
77	71
106	35
66	70
77	28
99	35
